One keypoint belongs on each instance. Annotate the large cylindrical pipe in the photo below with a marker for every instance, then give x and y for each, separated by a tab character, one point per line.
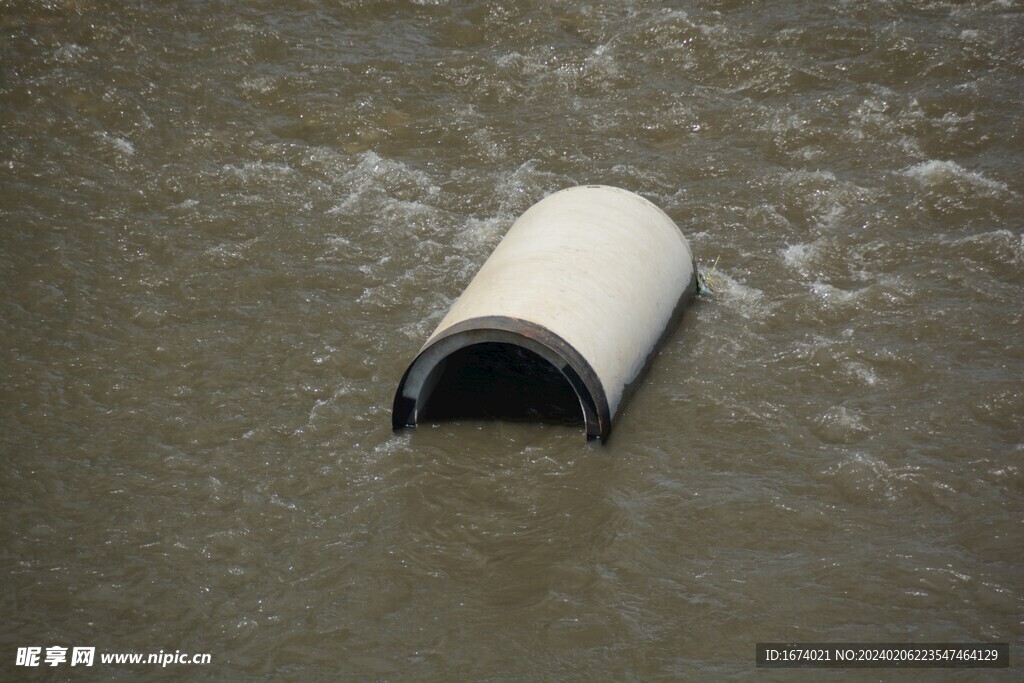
581	289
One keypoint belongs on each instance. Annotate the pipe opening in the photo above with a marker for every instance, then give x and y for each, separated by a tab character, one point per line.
499	380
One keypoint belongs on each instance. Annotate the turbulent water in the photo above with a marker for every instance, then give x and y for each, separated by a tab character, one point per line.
227	227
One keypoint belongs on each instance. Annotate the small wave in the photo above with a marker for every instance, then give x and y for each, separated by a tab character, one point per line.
69	53
256	169
862	372
477	234
525	186
998	245
823	199
747	300
863	475
375	180
831	294
260	84
800	257
840	425
120	144
935	173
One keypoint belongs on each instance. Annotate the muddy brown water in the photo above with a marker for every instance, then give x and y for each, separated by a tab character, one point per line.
227	227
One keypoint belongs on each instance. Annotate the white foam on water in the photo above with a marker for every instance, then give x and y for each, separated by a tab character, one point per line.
478	234
601	61
377	180
864	473
832	215
260	84
1000	241
120	144
69	53
421	328
800	257
831	294
825	199
748	301
951	120
373	268
840	424
488	143
862	372
403	201
526	186
782	122
228	255
935	172
254	170
338	243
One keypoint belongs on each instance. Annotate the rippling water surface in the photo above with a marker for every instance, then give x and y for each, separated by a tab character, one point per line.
226	227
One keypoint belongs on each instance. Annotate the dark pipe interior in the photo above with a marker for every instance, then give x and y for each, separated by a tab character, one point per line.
494	380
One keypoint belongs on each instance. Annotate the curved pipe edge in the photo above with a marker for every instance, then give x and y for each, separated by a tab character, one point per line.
417	384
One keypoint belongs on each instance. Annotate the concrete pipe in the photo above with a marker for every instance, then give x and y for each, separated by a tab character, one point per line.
560	319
